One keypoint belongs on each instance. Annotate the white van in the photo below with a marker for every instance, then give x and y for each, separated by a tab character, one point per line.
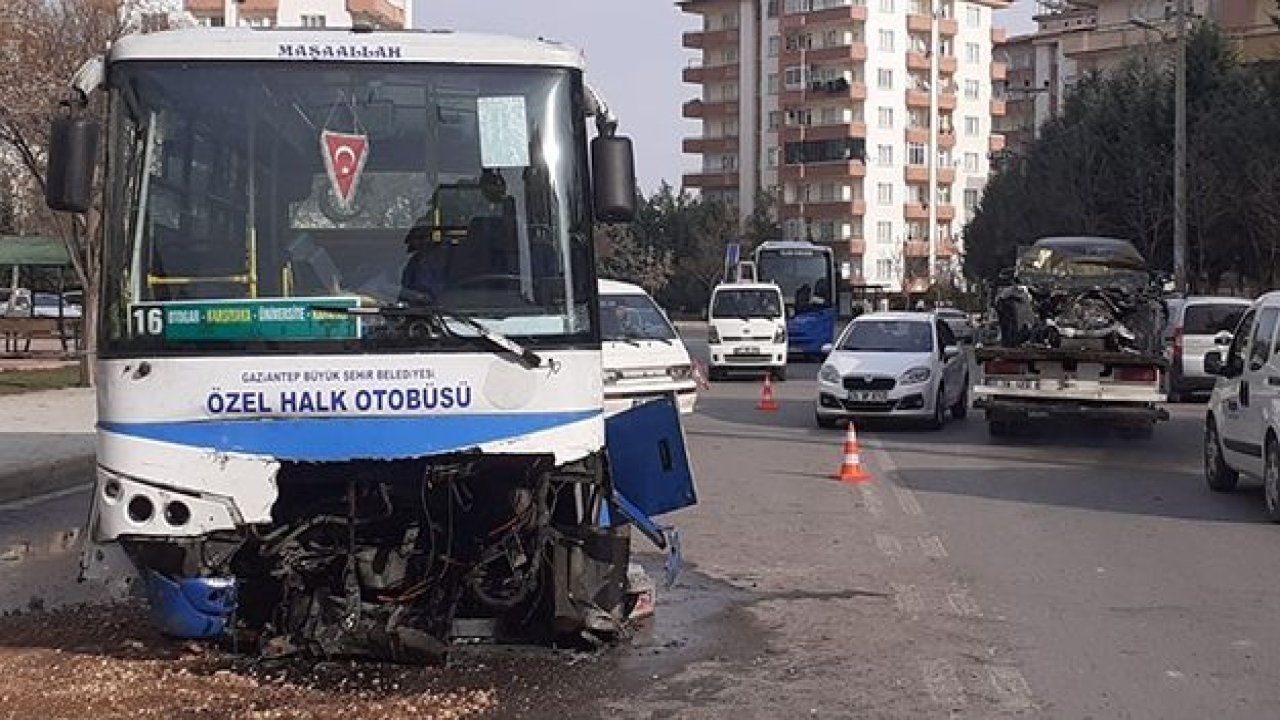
643	356
748	330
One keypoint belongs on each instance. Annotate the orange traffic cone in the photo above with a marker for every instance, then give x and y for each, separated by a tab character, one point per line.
766	396
851	468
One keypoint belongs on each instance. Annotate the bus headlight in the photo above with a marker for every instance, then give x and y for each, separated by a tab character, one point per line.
612	376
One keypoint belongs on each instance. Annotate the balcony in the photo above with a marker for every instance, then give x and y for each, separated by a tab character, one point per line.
919	23
999	70
703	39
699	145
916	134
997	107
946	212
915	249
711	180
824	209
709	73
947	100
792	98
378	13
830	16
947	249
857	246
996	143
946	175
854	53
203	7
918	61
916	173
915	211
917	285
797	133
917	98
700	109
833	170
947	64
948	27
946	140
999	36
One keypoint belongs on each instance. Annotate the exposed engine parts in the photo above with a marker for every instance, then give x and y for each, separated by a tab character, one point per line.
379	558
1084	294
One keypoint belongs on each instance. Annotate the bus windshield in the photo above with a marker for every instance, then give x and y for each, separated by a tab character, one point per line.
246	198
803	275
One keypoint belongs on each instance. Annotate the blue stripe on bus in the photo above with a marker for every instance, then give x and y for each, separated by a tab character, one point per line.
348	438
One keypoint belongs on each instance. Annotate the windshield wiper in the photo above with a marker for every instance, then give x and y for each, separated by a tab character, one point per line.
522	354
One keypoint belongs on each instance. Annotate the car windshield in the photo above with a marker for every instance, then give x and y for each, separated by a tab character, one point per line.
903	336
632	317
247	198
803	275
1211	319
746	303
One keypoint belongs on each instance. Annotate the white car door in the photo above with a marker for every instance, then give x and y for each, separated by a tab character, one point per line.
953	367
1246	391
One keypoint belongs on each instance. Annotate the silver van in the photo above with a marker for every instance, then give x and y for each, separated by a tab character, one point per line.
1193	324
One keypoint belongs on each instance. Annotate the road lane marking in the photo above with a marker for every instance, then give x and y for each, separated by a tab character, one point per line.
889	545
871	500
34	500
942	683
932	547
1011	687
963	604
907	598
907	501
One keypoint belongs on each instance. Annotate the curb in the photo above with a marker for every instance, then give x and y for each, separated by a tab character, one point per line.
47	477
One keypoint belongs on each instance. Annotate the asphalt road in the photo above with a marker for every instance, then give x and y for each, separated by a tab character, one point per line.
1066	574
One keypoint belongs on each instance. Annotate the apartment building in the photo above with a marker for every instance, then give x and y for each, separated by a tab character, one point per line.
870	120
383	14
1073	39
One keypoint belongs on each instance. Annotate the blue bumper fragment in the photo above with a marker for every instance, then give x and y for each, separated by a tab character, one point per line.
192	607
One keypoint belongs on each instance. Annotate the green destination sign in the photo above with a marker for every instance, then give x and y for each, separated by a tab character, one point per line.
264	319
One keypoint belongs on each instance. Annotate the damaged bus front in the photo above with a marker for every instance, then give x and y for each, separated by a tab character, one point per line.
349	359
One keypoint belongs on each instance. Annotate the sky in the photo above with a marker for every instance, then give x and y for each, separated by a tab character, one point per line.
634	59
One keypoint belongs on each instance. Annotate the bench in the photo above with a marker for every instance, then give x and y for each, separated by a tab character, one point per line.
18	332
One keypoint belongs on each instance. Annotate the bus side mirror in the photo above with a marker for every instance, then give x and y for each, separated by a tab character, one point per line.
73	150
613	178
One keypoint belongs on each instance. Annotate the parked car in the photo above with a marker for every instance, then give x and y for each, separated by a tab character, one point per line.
1242	429
894	364
747	332
1193	324
53	305
958	321
644	358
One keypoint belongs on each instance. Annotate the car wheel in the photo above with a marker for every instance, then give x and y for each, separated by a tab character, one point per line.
825	422
780	374
939	410
961	409
1217	473
1271	480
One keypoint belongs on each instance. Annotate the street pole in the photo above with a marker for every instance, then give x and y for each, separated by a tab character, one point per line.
931	189
1180	156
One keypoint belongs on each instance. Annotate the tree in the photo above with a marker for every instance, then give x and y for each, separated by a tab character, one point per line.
42	44
624	257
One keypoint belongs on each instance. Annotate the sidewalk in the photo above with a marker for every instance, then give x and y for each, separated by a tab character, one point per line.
46	441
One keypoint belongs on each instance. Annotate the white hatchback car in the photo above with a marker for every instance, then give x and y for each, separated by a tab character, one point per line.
1242	426
643	356
894	364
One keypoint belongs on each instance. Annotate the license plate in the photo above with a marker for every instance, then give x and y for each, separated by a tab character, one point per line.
747	351
868	395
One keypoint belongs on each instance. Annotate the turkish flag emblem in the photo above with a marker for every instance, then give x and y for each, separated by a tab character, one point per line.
344	156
